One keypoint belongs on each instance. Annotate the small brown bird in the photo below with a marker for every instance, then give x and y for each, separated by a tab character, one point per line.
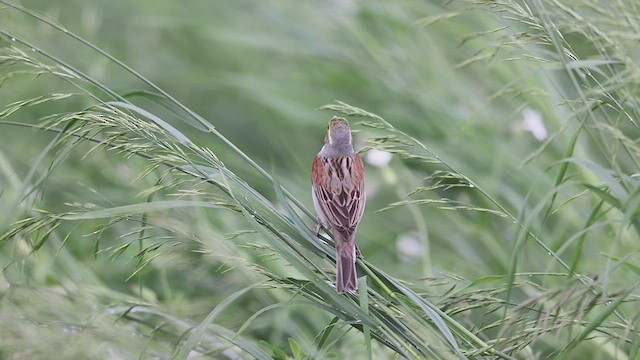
338	196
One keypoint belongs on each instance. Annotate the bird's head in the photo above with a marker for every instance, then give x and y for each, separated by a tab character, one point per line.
338	132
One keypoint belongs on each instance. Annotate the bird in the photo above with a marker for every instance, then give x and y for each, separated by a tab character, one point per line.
338	193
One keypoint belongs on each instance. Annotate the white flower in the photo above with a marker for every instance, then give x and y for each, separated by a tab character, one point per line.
378	158
409	246
532	121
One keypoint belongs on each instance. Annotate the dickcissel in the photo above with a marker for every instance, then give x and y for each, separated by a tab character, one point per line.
338	197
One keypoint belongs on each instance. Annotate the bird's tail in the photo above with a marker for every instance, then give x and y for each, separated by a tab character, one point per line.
346	265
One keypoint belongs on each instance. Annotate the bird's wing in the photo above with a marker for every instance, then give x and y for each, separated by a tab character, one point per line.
338	185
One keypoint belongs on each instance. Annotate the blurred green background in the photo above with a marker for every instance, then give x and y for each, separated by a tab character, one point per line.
527	109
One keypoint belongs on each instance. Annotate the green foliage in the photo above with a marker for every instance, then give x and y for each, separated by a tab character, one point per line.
154	179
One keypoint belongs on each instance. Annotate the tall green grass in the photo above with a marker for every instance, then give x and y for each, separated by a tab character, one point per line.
154	179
